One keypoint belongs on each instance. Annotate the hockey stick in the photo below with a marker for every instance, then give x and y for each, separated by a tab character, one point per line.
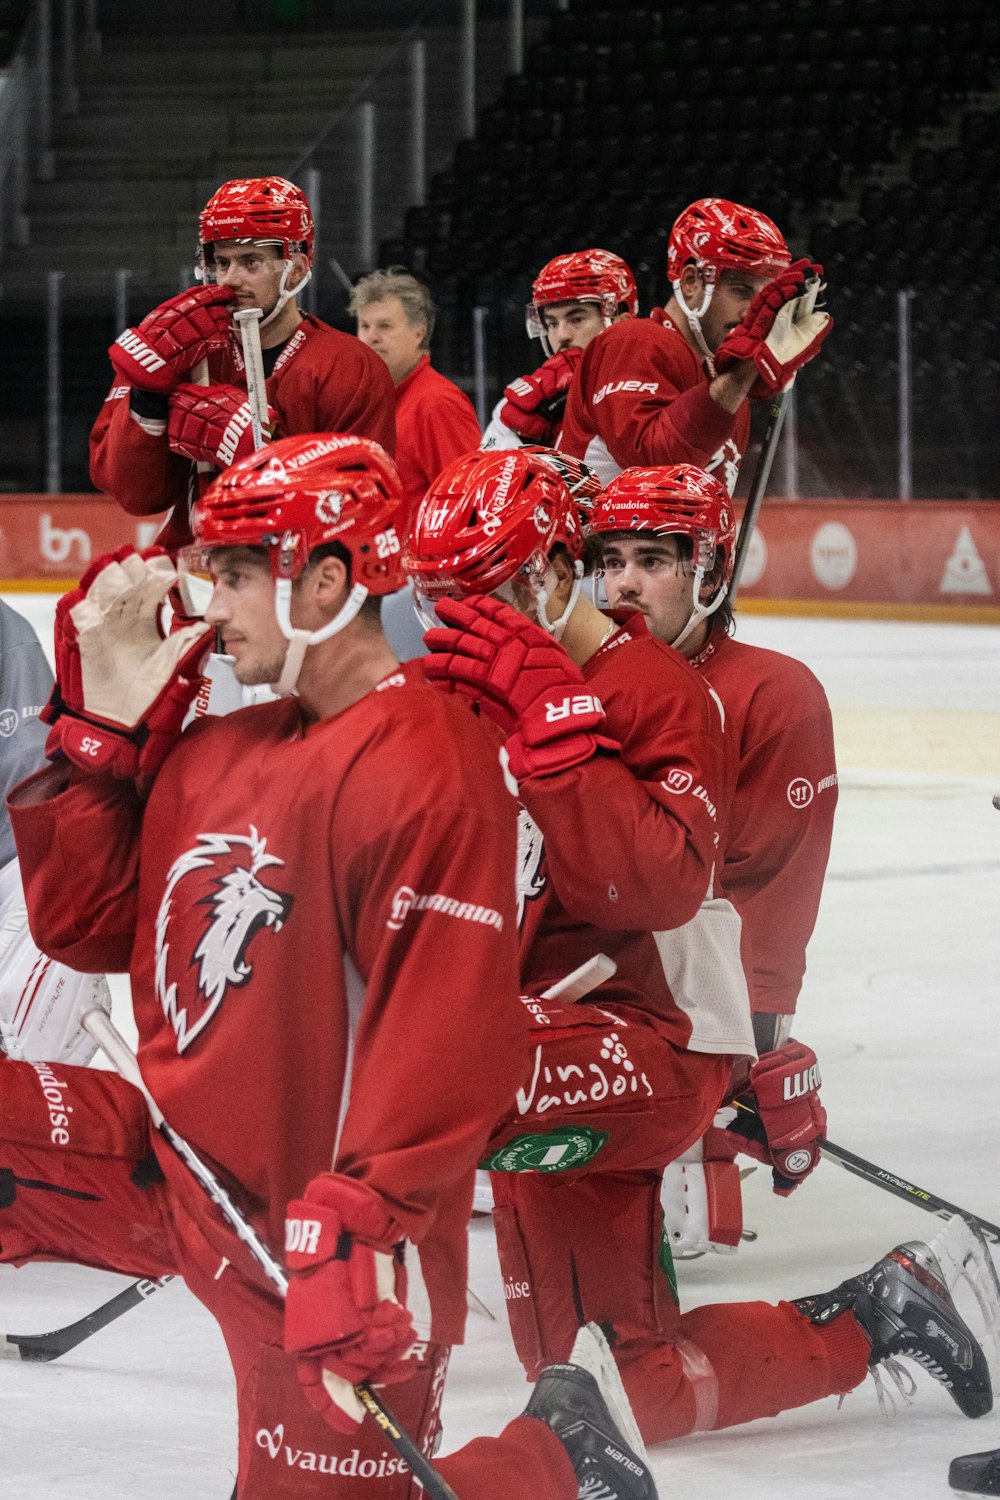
354	1399
249	325
879	1177
769	447
42	1347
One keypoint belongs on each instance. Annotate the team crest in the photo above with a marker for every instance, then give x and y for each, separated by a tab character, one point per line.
328	507
214	905
530	878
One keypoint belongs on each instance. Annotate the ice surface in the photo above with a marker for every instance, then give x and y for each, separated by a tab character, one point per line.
901	1005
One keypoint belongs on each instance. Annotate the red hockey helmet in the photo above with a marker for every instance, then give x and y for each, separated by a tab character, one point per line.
679	500
583	276
294	495
486	519
578	477
716	234
259	210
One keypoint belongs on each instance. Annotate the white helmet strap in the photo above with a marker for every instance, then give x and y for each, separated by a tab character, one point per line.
699	611
555	628
300	640
694	316
284	294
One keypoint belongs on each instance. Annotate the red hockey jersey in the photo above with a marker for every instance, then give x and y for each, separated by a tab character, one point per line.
618	856
323	381
640	398
781	815
319	925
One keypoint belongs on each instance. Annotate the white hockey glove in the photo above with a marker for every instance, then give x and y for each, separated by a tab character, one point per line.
122	687
780	331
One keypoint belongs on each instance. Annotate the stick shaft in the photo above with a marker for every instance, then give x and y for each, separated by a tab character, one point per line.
879	1177
253	357
758	488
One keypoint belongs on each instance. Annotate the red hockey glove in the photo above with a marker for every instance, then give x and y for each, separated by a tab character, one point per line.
785	1118
534	403
780	331
523	680
173	338
212	423
122	689
345	1308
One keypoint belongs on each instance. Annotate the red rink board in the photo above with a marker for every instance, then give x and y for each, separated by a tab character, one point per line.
922	557
46	541
938	558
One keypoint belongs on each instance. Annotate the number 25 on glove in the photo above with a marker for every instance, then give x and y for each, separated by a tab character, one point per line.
122	688
780	1117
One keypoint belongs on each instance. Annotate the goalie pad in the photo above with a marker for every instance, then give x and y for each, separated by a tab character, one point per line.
40	1000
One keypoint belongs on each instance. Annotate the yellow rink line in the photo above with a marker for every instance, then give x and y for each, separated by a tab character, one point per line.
939	741
848	609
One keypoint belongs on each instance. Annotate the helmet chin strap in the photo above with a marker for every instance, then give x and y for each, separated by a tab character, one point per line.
555	628
694	316
285	294
300	640
699	611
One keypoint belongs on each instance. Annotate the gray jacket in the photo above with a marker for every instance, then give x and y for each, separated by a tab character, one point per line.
25	684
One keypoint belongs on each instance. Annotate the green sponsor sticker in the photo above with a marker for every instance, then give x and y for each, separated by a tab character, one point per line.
554	1151
667	1265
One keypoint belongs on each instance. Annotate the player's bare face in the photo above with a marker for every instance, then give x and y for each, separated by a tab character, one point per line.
649	574
253	272
572	325
242	610
385	327
732	296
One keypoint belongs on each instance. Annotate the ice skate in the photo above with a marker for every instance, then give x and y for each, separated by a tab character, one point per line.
585	1405
904	1306
976	1473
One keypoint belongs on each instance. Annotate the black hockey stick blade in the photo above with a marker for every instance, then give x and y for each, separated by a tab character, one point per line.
879	1177
43	1347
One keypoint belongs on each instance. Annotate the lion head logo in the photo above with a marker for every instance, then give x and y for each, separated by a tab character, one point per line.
530	876
217	887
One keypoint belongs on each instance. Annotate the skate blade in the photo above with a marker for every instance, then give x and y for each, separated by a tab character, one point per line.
592	1353
965	1258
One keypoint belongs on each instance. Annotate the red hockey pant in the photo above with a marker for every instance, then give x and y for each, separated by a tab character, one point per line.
576	1183
79	1182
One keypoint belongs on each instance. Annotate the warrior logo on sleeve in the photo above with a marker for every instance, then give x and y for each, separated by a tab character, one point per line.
214	905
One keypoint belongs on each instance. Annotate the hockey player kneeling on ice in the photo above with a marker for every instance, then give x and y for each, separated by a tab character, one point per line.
40	1000
667	537
613	742
312	896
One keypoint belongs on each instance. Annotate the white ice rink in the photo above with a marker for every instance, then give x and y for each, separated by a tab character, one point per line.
900	1003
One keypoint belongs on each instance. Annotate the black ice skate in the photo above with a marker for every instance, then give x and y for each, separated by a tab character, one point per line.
904	1306
976	1473
585	1405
